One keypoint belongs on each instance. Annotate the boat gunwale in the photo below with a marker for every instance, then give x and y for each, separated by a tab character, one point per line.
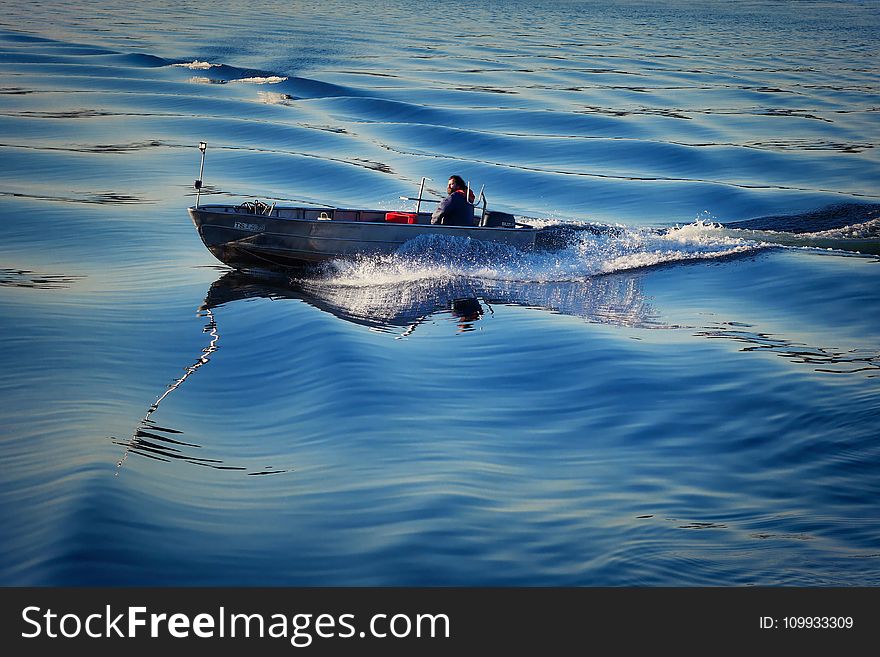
521	227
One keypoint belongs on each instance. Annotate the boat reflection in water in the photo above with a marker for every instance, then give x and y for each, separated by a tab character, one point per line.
400	307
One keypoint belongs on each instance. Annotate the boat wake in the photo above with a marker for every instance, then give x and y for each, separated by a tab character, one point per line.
591	271
565	252
843	227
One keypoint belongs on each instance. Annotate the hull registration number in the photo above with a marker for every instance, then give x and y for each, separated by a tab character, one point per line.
253	228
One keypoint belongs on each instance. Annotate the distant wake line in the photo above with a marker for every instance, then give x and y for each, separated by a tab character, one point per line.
840	220
850	227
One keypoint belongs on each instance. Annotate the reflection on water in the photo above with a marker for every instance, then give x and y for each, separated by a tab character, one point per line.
91	197
467	311
828	360
613	299
34	280
155	442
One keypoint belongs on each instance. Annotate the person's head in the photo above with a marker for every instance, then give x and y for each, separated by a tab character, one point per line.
455	183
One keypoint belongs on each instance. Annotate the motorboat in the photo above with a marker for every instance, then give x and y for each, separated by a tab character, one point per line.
257	235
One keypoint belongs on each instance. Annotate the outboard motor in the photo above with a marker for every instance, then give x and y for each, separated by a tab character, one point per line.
495	219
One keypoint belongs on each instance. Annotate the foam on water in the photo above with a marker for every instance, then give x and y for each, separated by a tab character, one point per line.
269	79
588	252
196	65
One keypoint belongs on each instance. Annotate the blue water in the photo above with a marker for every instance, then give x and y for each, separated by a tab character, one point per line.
660	395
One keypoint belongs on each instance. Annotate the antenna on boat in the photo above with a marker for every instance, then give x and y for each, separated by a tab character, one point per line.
203	146
421	190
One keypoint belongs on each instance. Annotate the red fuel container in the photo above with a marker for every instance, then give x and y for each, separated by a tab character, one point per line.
402	217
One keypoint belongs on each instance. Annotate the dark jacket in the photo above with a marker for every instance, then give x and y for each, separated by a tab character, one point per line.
454	210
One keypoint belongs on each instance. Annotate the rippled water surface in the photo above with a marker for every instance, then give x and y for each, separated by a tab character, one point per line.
680	386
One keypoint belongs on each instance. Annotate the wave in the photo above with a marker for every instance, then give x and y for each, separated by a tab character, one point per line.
853	227
867	230
262	79
271	79
830	217
214	73
196	64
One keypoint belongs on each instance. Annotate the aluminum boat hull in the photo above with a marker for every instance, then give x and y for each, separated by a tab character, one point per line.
299	237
